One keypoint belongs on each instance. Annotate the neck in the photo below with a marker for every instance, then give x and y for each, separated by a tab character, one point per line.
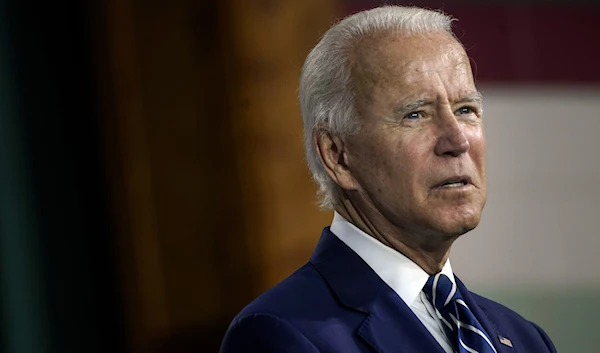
428	251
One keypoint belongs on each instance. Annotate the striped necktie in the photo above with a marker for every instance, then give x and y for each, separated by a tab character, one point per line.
461	326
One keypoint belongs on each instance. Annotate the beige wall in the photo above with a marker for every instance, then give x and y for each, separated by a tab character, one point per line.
540	225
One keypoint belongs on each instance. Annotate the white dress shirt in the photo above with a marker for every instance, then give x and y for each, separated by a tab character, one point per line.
404	276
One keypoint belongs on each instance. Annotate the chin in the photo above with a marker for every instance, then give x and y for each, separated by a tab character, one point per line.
463	229
454	225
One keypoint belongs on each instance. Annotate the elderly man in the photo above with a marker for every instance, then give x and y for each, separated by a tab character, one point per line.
394	137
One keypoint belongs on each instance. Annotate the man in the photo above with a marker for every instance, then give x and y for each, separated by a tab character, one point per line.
394	137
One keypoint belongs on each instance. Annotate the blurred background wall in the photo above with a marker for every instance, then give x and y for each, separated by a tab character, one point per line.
152	179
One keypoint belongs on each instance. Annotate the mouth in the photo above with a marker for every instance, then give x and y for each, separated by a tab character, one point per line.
454	182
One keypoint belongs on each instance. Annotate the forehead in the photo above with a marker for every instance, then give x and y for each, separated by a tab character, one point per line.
419	62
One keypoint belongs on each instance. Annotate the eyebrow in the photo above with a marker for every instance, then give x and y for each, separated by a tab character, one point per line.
475	97
414	105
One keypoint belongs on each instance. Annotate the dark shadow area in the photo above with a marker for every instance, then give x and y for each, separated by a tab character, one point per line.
57	120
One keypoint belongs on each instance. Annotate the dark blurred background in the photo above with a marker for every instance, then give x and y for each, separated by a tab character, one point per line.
152	179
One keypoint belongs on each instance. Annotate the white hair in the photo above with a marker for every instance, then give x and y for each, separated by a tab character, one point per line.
327	93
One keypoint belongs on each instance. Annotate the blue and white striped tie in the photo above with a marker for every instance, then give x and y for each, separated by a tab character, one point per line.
460	325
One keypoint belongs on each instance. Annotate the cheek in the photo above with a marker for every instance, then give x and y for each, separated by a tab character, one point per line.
378	167
480	147
414	155
478	151
367	162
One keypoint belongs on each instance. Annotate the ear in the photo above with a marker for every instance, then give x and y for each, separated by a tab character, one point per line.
334	156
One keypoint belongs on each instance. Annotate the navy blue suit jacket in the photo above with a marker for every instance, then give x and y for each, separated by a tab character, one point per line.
337	303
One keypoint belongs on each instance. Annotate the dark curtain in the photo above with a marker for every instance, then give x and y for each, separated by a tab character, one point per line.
57	264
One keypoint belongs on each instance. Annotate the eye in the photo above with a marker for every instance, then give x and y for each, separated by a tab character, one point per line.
465	111
413	115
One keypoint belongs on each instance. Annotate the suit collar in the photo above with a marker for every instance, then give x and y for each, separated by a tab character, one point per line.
343	269
390	326
399	272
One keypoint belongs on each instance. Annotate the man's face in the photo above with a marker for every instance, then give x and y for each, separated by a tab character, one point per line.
419	160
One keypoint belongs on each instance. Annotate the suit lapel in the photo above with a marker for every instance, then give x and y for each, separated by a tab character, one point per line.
497	335
389	326
392	327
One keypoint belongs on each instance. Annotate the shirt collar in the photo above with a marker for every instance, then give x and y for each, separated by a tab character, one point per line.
404	276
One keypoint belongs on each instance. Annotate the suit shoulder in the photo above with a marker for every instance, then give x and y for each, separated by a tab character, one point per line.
504	317
298	314
298	294
263	333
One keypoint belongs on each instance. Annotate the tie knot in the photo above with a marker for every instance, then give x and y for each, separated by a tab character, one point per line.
441	290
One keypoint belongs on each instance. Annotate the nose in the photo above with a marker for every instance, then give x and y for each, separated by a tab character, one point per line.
452	140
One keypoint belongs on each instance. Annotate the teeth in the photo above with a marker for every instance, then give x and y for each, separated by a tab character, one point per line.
453	185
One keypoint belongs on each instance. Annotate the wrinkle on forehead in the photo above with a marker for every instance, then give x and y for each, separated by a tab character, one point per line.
384	60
